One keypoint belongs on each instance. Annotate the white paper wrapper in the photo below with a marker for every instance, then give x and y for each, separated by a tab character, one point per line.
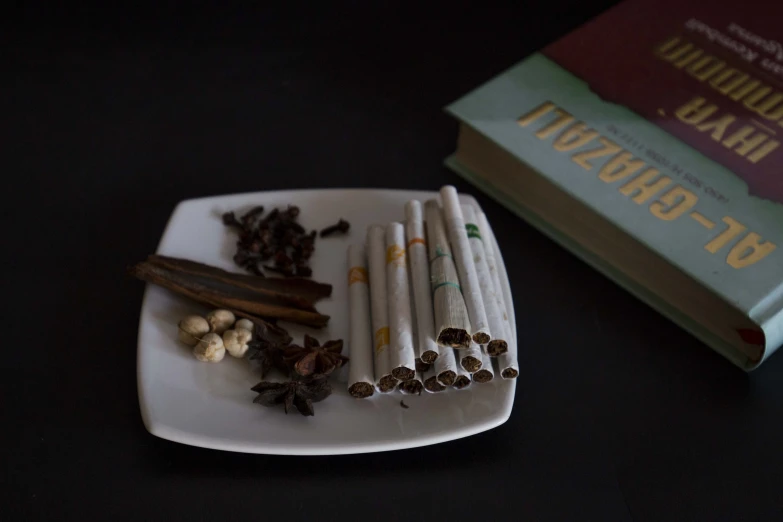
446	366
460	248
507	363
428	349
452	324
487	372
499	344
471	359
361	381
402	357
376	257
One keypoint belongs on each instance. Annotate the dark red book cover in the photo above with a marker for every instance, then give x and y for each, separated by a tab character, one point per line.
709	73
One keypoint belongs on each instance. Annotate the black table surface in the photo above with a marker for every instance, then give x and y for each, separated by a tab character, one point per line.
110	118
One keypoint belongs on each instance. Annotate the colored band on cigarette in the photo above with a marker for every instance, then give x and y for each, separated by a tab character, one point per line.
440	253
473	230
415	240
381	339
357	274
395	254
447	283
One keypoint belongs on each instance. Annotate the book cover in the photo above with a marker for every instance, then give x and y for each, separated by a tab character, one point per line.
665	118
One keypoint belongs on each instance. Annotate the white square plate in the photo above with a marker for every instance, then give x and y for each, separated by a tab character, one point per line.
211	405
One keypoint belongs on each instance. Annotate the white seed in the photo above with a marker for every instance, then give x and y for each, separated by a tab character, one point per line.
210	348
220	320
191	329
236	341
247	324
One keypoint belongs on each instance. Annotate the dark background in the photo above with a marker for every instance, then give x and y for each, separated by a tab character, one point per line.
110	118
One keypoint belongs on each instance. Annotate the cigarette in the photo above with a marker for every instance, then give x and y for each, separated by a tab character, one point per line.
463	379
420	280
498	345
471	359
431	383
376	257
509	367
446	367
471	290
401	353
421	366
412	386
486	373
507	362
452	325
361	381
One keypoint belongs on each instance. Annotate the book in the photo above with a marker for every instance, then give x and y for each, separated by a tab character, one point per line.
648	143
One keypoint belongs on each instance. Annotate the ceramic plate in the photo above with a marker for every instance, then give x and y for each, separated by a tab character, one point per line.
211	405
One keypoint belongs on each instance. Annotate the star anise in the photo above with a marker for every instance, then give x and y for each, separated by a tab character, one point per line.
271	334
301	394
267	347
314	359
270	356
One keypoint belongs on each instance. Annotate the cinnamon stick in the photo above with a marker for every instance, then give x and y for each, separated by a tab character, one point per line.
298	291
189	286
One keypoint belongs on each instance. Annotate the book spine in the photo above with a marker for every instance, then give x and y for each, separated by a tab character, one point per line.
769	315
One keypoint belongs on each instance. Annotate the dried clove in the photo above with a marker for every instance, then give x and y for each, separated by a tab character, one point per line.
282	260
229	219
251	215
292	211
340	226
276	236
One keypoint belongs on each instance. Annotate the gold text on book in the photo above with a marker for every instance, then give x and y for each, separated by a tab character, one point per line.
641	183
752	140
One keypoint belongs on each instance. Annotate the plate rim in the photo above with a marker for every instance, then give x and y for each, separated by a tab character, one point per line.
189	438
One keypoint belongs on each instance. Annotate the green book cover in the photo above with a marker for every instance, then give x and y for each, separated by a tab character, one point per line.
665	118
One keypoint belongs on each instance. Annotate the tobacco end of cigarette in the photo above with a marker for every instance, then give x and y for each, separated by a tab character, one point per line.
471	364
497	347
447	377
481	338
462	381
412	387
509	373
429	356
483	376
454	338
432	385
403	374
387	384
422	366
361	390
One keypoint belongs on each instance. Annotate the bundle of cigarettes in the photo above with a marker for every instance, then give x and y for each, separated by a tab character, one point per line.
427	309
